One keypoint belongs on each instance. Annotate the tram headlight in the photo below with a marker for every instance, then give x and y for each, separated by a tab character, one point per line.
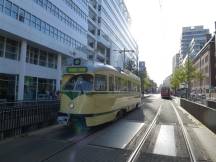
71	106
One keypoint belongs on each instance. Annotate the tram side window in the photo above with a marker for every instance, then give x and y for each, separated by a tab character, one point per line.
138	88
111	83
124	86
129	86
100	82
118	83
134	89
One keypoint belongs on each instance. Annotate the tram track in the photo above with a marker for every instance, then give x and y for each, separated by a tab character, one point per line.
135	154
185	135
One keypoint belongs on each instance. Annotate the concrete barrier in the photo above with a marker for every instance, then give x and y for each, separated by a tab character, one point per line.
204	114
211	104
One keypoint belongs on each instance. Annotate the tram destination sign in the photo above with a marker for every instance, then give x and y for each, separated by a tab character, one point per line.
76	69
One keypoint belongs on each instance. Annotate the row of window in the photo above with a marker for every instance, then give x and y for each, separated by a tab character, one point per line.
60	15
9	48
39	88
119	84
73	6
123	24
86	82
85	2
41	57
18	13
116	28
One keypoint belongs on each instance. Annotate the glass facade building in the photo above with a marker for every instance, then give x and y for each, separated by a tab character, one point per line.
38	37
198	33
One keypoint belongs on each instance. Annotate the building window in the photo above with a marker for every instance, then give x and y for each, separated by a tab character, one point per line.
1	5
1	46
30	87
33	21
8	87
46	89
38	24
12	47
15	9
43	58
8	6
21	15
27	18
39	88
34	54
52	60
43	26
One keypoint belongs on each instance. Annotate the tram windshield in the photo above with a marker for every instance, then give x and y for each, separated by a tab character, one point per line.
81	82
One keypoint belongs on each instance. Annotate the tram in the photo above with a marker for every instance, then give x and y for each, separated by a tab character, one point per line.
95	93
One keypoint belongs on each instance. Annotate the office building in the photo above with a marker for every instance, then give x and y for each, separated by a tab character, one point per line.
39	37
198	33
108	32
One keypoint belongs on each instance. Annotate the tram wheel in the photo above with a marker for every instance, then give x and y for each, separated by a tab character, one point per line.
120	114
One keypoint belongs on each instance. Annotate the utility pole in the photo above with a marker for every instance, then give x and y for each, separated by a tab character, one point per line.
124	51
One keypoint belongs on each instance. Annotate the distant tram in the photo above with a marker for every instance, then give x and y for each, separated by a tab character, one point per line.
165	92
94	94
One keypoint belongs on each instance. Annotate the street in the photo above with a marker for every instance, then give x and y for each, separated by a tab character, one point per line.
118	141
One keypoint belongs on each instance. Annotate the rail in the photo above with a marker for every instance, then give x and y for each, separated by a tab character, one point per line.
137	150
20	117
185	134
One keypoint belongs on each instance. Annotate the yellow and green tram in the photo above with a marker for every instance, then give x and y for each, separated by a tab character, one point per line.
96	93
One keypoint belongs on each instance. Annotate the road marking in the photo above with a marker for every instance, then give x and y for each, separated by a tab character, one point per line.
165	143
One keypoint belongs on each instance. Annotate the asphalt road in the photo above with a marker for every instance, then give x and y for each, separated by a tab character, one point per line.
116	141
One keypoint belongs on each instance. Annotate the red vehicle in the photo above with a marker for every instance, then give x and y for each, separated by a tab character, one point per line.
165	92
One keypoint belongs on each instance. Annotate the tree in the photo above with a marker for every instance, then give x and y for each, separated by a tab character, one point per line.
178	77
185	74
200	77
131	66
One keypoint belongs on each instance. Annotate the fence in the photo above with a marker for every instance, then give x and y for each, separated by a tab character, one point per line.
20	117
204	114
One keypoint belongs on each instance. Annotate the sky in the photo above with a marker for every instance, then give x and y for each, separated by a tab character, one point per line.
157	25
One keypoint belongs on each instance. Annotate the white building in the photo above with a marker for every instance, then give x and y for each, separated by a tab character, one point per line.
108	32
38	36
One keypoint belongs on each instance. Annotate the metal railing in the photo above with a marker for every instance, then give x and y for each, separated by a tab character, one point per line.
20	117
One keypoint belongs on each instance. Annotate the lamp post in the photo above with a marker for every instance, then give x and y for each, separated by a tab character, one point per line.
124	52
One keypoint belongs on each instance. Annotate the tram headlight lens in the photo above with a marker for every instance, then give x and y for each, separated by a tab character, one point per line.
71	106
